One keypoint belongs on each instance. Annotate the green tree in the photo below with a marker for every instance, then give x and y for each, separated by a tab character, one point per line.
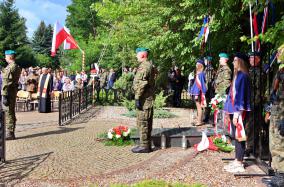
13	33
42	39
81	20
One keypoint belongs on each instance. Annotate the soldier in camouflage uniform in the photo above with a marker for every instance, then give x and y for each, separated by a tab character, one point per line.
144	88
11	75
276	129
255	122
223	75
103	79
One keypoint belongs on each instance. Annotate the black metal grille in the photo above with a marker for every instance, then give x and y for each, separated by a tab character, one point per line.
72	103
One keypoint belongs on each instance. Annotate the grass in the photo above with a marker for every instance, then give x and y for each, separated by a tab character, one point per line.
159	113
155	183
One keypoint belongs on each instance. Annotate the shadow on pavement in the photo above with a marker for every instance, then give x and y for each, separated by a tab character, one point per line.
61	131
15	170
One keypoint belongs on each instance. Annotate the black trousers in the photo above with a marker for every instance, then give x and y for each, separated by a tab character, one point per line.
240	147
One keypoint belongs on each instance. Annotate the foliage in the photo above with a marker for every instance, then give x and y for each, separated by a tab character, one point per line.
222	143
43	60
124	82
81	20
159	113
168	28
42	39
13	33
160	100
129	104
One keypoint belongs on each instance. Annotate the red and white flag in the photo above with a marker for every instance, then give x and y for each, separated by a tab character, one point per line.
70	42
61	34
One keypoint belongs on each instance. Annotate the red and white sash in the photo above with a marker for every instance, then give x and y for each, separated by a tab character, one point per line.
44	87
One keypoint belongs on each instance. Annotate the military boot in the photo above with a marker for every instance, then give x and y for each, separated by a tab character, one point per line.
139	149
10	135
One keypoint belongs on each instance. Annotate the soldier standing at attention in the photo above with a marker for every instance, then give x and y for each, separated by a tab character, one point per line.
257	86
11	75
223	76
276	128
144	88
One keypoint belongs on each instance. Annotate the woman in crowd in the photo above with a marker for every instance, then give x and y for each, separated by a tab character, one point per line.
23	80
237	106
68	85
198	91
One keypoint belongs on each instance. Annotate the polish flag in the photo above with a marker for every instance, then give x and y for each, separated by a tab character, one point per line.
69	42
59	35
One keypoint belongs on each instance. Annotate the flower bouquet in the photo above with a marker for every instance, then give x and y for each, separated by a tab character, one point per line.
119	135
222	143
217	102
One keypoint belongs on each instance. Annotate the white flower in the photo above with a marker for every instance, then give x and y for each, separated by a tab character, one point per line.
220	100
126	133
109	135
118	136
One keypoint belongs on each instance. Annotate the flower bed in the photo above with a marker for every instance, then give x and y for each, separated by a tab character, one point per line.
117	136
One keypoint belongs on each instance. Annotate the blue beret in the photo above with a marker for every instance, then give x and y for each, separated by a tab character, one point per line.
200	61
242	56
142	49
223	55
10	52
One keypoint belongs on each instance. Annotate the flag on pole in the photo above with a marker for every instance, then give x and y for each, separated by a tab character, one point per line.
69	42
59	35
204	32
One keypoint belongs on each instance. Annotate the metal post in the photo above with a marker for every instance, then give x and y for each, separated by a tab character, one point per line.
71	100
60	108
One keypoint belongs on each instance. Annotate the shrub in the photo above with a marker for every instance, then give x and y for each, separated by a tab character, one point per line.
129	104
160	100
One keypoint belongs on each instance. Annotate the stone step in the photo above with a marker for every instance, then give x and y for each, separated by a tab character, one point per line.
174	135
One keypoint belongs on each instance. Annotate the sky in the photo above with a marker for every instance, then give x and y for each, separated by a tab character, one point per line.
47	10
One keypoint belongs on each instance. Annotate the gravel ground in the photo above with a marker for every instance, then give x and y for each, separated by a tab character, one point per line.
173	164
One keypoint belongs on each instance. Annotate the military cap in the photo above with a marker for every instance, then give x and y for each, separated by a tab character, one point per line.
142	49
242	56
209	58
200	61
223	55
255	53
10	52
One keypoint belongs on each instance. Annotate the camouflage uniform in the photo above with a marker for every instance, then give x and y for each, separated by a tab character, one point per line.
253	129
11	75
103	80
276	141
144	87
222	79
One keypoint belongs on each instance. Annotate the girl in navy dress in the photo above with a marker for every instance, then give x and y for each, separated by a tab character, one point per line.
237	106
198	90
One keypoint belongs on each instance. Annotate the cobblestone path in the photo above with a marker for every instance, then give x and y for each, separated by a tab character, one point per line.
45	154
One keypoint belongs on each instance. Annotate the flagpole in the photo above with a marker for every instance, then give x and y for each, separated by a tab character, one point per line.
251	31
83	57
